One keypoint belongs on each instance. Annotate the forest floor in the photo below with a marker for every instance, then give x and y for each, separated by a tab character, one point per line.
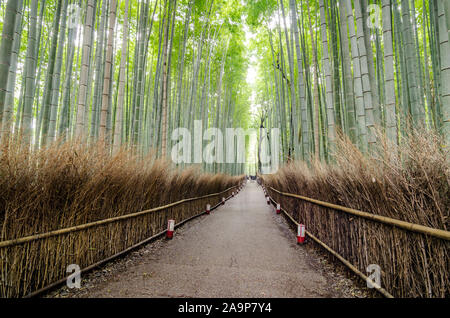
242	249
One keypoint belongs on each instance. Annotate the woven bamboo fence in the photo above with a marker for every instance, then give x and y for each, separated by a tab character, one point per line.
31	263
414	259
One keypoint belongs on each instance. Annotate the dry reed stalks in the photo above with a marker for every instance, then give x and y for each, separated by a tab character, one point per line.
70	184
412	186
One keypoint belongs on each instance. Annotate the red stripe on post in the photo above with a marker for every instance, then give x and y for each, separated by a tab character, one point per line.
278	208
170	228
208	208
301	234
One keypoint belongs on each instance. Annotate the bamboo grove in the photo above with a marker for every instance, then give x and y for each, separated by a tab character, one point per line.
123	73
368	69
126	73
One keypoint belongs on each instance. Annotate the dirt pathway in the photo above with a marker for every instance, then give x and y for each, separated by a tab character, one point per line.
243	249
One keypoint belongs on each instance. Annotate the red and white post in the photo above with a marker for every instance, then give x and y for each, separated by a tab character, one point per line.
208	208
268	199
278	208
301	234
223	201
170	228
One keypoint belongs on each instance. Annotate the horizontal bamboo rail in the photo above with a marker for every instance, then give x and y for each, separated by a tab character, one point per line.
442	234
380	289
117	255
71	229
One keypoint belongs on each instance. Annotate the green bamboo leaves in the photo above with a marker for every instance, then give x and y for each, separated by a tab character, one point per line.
128	73
381	68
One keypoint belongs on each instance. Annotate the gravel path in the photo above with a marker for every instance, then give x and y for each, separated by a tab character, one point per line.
242	249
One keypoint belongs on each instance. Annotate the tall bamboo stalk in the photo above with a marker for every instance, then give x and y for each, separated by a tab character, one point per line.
85	65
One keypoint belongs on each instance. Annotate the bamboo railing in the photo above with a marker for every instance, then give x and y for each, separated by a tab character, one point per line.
26	274
71	229
353	268
438	233
413	257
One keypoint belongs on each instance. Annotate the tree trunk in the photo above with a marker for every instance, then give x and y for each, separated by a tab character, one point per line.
57	76
391	118
122	75
417	112
46	99
365	76
85	65
30	73
99	73
358	87
164	88
6	46
328	83
9	98
347	75
316	90
445	71
106	95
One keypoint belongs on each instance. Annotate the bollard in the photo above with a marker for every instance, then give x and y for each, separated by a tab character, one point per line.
170	228
278	208
208	208
223	201
268	199
301	234
232	194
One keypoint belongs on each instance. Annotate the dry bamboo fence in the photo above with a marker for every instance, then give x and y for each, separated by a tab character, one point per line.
413	258
24	271
339	257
